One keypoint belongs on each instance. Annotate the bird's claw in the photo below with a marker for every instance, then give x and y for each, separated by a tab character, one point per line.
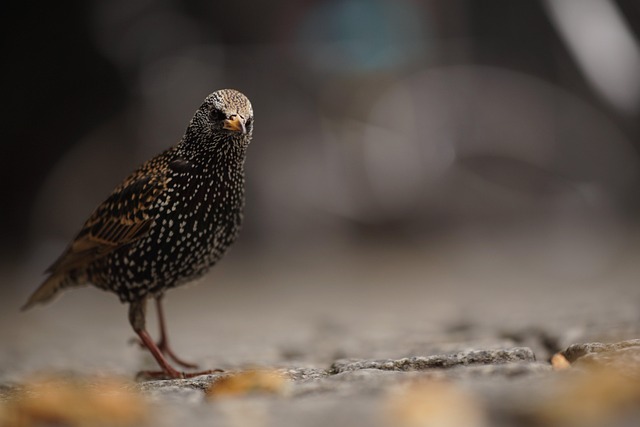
167	351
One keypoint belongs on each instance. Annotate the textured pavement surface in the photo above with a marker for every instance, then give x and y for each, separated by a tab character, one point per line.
431	336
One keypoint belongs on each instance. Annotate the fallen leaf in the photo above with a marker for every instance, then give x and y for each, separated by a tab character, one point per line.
74	402
434	403
593	397
249	382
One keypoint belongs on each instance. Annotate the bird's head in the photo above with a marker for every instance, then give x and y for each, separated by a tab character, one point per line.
225	118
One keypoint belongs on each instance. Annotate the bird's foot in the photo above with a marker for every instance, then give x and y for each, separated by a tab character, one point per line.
172	374
167	351
167	371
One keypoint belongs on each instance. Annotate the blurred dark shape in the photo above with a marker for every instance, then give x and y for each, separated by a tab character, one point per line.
360	36
373	118
517	175
56	88
399	161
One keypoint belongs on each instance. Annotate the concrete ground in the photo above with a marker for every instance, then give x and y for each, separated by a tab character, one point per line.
313	312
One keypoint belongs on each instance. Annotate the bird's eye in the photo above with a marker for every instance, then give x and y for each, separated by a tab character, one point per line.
249	123
218	115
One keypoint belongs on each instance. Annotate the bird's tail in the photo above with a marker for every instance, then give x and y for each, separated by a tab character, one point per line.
52	287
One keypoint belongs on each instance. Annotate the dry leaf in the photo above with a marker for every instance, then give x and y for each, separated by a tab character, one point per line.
434	403
248	382
64	402
595	397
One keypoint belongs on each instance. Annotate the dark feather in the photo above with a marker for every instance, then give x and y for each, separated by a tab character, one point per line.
180	166
126	216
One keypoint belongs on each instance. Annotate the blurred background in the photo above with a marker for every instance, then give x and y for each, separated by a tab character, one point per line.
402	149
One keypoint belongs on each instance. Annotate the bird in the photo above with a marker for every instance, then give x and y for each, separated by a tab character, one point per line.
166	224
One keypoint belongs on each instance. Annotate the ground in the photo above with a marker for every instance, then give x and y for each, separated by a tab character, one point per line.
362	336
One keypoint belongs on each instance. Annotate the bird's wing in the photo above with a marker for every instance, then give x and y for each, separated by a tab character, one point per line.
126	216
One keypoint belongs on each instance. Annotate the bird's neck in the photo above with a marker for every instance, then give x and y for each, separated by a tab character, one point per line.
214	154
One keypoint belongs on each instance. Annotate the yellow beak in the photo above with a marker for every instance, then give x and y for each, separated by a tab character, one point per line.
236	124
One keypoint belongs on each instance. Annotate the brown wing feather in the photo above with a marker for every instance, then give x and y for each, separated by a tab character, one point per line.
126	216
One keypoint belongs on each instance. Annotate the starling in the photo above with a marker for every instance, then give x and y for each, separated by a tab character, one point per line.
167	223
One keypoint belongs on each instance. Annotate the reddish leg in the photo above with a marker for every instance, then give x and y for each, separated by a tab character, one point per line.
163	344
137	313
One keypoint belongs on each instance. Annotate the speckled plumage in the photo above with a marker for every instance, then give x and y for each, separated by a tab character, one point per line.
169	221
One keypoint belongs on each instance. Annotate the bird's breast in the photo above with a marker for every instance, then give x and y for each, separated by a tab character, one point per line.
205	208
